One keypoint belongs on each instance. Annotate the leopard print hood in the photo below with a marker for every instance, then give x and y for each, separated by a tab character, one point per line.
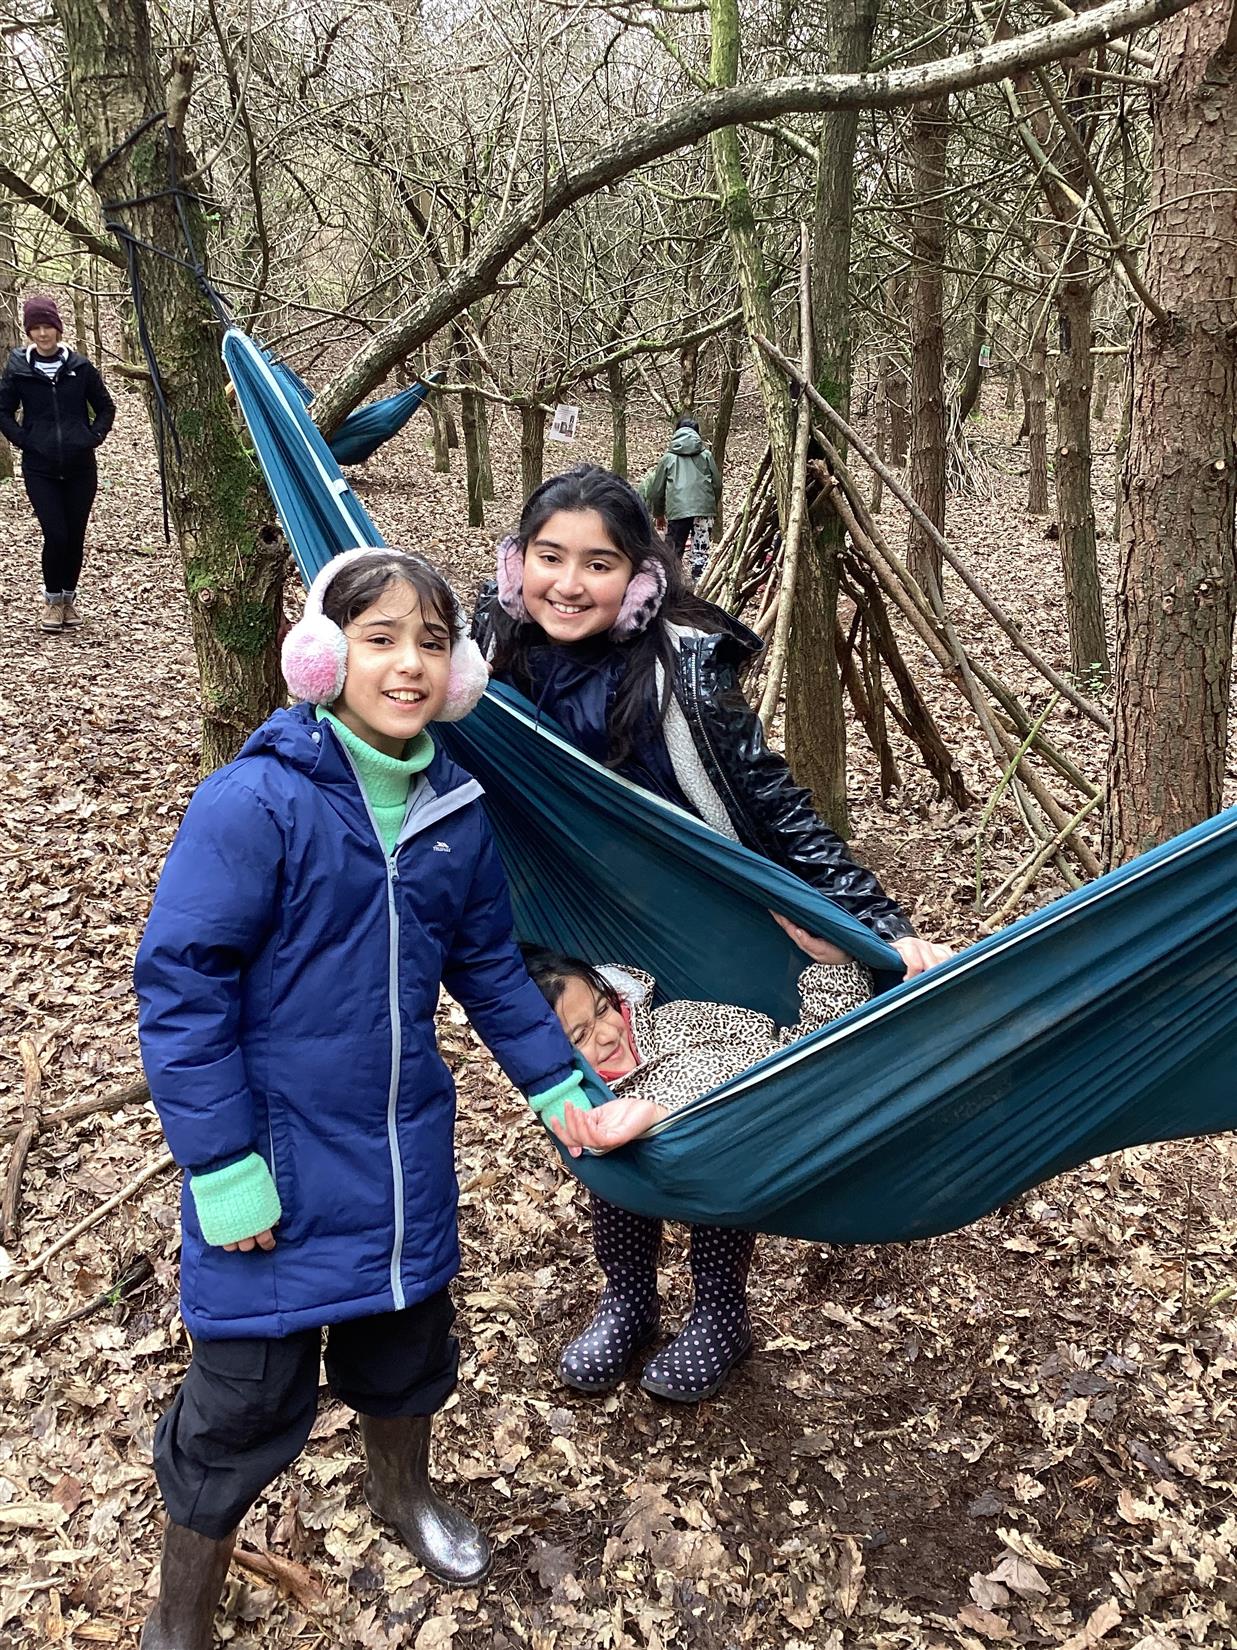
687	1048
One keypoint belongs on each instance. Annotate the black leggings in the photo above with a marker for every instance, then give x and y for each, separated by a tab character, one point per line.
62	504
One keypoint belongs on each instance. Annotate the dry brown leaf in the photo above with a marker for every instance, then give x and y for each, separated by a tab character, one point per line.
1099	1623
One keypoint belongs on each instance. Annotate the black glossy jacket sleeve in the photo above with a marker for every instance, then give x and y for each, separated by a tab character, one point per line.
772	814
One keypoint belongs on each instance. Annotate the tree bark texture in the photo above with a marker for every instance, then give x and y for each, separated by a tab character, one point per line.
1035	401
727	395
442	452
689	353
753	276
929	228
1175	594
532	447
815	713
617	381
971	389
474	459
233	567
1084	604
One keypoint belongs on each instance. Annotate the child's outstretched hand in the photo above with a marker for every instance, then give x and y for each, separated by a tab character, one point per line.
260	1240
605	1127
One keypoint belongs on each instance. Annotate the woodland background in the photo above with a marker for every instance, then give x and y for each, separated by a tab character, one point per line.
1023	292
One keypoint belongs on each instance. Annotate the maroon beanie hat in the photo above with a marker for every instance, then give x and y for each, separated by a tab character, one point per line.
41	312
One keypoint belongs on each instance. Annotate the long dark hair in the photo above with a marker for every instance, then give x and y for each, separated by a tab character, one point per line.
637	710
551	971
359	585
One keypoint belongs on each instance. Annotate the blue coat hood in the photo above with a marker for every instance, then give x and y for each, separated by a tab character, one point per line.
287	982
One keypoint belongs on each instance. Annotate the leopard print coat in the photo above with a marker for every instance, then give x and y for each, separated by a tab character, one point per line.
688	1048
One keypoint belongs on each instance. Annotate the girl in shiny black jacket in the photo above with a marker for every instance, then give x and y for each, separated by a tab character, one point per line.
590	620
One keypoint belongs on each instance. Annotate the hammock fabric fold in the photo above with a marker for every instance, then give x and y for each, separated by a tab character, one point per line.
365	430
1105	1020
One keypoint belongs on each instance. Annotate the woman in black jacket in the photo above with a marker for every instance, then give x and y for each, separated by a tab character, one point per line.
591	621
66	413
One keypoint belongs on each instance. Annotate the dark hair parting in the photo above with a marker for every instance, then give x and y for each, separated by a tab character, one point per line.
359	585
550	971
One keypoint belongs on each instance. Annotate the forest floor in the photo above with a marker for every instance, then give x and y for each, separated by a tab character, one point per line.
1018	1434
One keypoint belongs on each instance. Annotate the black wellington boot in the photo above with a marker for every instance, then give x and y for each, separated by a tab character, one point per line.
192	1572
399	1492
628	1312
719	1331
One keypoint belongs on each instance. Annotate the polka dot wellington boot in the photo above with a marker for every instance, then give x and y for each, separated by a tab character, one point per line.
719	1331
628	1313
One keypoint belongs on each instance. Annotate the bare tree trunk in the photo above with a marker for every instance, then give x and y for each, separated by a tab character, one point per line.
815	714
1103	385
233	564
532	447
689	354
755	290
928	144
896	390
617	381
474	458
10	326
1035	396
482	417
1175	598
727	395
1084	604
1123	444
96	318
79	301
442	453
971	389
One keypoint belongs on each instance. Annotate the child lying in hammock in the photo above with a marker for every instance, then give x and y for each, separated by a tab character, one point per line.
656	1060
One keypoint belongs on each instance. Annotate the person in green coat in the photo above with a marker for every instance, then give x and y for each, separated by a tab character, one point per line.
685	491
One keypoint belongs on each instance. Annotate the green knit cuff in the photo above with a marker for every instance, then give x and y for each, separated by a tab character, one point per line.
237	1202
551	1103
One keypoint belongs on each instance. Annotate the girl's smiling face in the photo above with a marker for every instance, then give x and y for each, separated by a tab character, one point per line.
575	576
399	662
595	1027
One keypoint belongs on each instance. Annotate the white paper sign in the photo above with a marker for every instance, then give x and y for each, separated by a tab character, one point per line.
563	424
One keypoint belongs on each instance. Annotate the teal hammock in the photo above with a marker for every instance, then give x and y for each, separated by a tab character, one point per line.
369	427
1105	1020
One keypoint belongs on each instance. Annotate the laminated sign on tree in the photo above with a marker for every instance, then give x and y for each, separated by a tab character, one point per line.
563	425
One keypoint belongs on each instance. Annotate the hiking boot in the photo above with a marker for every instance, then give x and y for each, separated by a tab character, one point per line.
72	618
398	1491
628	1313
51	617
192	1572
719	1331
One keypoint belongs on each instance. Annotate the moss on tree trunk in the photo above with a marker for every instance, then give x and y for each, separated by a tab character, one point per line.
218	505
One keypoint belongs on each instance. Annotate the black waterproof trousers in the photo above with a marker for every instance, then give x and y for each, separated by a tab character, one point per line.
246	1408
62	504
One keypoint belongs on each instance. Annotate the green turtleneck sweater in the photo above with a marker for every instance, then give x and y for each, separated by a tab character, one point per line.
386	780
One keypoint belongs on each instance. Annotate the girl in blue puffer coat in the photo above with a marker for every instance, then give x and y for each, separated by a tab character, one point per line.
320	890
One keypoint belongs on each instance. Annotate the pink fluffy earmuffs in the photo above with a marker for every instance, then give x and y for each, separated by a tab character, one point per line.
315	652
641	600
